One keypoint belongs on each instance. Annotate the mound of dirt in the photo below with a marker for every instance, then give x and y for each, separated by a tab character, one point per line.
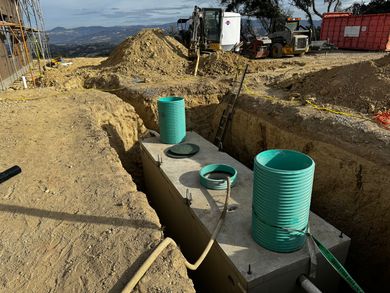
362	86
229	63
220	63
149	53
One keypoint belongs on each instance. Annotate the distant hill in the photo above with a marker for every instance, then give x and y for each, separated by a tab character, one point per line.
87	50
92	41
96	34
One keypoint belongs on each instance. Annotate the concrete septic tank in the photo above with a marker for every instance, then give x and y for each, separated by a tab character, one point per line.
235	263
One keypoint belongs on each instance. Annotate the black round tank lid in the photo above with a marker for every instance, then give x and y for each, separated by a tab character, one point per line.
183	150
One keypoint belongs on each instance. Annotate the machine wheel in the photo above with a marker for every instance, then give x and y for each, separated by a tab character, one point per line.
300	54
277	50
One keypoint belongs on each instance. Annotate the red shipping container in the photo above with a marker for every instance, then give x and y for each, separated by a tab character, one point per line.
359	32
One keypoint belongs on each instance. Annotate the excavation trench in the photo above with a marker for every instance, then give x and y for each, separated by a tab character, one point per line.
351	188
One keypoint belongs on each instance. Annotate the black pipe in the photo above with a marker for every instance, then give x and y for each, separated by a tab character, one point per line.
8	174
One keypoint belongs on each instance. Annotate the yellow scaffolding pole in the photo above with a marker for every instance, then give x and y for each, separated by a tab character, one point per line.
22	31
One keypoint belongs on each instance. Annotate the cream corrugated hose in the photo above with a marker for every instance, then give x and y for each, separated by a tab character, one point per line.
160	248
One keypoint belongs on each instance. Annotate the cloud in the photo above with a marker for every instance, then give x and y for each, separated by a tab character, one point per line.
74	13
155	15
147	12
86	12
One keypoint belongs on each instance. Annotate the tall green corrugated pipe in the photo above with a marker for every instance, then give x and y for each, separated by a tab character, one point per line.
172	119
282	186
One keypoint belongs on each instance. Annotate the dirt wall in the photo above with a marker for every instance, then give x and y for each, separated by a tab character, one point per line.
351	190
201	98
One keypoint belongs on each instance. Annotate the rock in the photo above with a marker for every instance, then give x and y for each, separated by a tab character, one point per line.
324	92
294	96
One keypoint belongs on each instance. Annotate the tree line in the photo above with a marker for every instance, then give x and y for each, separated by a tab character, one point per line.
269	12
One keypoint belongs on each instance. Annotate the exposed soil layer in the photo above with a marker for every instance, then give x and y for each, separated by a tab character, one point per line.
351	186
73	221
67	78
363	86
201	97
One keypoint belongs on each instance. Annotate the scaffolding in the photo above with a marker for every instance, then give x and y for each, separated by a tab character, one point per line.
23	38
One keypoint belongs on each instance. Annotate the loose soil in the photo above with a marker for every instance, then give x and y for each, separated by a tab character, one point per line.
363	86
149	54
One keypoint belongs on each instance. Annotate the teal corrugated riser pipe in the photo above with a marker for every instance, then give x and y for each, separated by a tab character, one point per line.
282	187
172	119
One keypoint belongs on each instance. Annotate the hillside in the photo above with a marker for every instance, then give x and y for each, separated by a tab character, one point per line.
96	34
92	41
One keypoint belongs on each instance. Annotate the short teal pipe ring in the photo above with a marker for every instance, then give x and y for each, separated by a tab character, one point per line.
214	176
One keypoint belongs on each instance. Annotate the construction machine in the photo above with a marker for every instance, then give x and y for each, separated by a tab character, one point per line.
183	33
293	40
210	29
256	47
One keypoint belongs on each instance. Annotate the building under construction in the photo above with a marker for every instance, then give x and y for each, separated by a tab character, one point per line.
22	39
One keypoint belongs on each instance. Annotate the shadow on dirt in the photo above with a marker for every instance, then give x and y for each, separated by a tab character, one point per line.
62	216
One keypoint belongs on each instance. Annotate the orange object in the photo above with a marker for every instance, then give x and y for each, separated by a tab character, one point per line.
294	19
383	118
336	14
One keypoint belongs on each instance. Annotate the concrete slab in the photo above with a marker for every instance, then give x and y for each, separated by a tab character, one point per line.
268	268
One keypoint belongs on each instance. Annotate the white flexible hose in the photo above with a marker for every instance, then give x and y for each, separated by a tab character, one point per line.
307	285
160	248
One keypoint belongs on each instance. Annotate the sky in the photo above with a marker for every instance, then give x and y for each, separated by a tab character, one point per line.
75	13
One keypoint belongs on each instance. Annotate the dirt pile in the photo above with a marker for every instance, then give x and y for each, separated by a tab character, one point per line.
362	86
221	63
229	63
149	53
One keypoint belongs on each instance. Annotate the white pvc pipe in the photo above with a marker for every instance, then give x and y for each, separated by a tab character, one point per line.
307	285
24	80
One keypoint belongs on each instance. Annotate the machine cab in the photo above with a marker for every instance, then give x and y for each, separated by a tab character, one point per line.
212	18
